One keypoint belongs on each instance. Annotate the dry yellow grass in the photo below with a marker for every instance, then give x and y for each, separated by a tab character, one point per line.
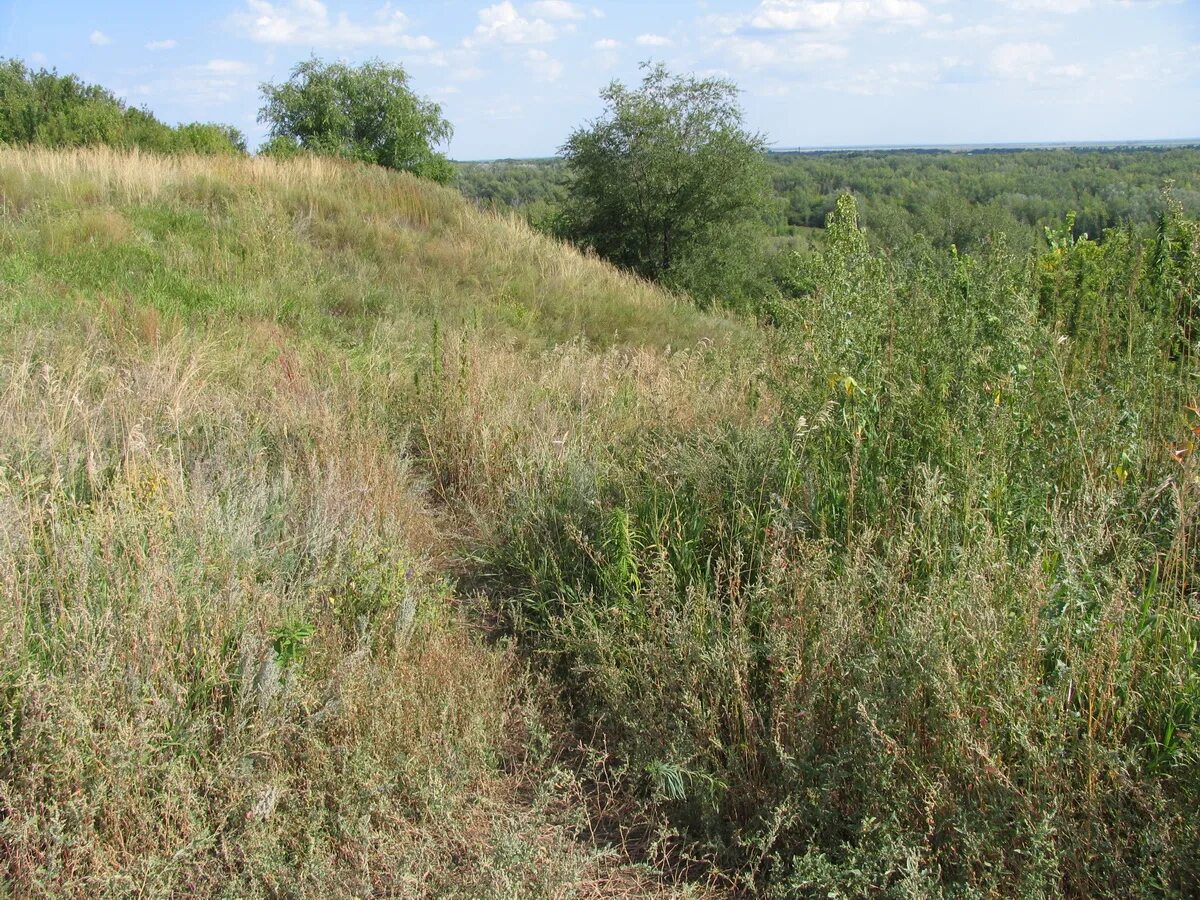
232	664
897	597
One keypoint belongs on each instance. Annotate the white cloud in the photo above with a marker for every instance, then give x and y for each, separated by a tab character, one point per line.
606	44
168	44
227	66
211	85
893	78
1021	62
828	15
308	22
556	9
1032	62
505	110
755	54
1155	64
504	25
543	65
1065	7
653	40
99	38
38	59
1069	7
979	32
462	63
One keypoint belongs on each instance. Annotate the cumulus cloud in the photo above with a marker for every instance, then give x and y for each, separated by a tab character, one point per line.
1155	64
470	73
981	31
1032	62
556	9
895	78
828	15
168	44
1065	7
755	54
213	84
1023	61
1069	7
606	44
653	40
99	38
227	66
503	24
543	65
309	22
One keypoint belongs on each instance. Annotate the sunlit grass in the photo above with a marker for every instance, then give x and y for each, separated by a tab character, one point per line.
897	596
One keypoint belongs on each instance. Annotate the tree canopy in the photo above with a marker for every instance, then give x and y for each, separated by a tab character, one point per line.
670	183
365	112
43	107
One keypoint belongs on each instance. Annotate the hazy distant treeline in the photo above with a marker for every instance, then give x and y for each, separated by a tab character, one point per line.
948	198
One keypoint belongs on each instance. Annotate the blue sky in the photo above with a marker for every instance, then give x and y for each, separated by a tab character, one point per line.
515	77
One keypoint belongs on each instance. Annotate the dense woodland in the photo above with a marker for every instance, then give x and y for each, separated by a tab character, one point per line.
359	541
946	197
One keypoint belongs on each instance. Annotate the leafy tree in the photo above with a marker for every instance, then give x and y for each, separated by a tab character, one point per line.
43	107
365	112
205	138
671	184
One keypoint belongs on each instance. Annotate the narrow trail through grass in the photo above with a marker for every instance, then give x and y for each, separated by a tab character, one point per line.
355	542
233	660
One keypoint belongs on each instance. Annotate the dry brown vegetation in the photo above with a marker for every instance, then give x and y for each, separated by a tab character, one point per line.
231	661
356	542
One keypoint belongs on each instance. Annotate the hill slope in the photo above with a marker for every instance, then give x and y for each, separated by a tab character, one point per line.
231	661
357	542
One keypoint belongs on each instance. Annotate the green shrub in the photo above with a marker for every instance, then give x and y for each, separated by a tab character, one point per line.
51	110
931	629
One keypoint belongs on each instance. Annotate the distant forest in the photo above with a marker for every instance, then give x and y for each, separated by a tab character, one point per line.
907	197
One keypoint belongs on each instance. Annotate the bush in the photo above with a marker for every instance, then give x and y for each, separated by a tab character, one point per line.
933	627
670	184
51	110
366	113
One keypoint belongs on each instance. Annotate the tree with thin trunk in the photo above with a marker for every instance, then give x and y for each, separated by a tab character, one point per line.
367	112
669	182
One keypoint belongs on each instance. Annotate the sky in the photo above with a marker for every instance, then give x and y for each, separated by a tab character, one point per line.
514	78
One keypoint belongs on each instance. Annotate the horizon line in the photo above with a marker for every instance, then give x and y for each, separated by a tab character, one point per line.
949	147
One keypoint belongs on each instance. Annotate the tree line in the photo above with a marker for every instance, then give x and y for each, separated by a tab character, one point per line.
941	198
669	182
366	113
39	106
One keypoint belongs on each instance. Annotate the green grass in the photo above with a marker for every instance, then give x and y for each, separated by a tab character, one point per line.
356	542
908	633
233	664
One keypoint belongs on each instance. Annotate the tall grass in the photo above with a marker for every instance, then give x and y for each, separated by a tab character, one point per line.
934	625
896	594
232	663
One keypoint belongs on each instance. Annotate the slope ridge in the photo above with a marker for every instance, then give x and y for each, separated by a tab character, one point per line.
233	661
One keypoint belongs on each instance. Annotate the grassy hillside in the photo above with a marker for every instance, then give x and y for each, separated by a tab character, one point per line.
356	542
232	661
